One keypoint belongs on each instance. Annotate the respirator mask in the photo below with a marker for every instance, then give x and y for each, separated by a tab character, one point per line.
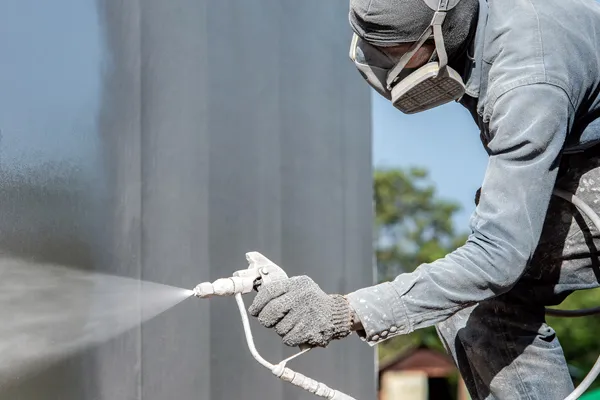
412	90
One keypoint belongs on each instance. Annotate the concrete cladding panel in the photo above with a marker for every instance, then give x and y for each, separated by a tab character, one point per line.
164	139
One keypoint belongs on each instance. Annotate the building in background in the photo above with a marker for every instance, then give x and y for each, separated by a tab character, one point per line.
421	373
162	140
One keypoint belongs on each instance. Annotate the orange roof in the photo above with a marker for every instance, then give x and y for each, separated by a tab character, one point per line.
434	363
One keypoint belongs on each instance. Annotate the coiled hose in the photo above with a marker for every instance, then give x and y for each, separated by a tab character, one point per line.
595	371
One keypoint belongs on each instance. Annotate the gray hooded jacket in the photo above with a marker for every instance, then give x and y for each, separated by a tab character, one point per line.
534	90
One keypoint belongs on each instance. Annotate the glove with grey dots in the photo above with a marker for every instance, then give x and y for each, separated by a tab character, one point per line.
301	313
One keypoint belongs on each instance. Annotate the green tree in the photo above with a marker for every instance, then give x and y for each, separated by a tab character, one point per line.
413	226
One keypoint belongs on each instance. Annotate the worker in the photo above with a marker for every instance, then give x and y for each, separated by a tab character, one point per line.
529	73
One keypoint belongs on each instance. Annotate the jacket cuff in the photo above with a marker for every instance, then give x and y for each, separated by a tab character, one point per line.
381	312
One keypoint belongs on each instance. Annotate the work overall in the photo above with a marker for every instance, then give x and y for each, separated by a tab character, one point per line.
533	87
503	347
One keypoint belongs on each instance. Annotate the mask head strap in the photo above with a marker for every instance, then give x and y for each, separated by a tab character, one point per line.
436	23
395	72
435	29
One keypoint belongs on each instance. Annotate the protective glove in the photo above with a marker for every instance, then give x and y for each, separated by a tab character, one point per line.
301	312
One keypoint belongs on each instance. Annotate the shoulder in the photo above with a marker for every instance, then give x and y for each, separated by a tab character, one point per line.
535	41
513	49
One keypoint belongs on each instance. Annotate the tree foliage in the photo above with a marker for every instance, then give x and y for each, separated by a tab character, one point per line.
413	225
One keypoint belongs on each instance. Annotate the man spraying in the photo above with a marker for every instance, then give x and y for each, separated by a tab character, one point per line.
529	73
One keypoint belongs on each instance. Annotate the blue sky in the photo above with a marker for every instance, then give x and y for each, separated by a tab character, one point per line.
445	140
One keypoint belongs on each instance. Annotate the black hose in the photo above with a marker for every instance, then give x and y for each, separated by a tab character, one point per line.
595	371
584	312
585	209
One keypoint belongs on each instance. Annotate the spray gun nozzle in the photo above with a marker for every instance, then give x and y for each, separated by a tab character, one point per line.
225	287
205	289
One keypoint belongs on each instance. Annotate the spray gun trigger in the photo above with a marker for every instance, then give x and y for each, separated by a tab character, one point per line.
266	269
261	270
263	278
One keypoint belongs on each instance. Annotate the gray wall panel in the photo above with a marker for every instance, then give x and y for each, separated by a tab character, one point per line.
54	185
175	177
244	180
163	140
358	240
118	136
327	215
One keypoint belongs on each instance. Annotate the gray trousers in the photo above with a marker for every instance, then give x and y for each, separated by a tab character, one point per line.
503	347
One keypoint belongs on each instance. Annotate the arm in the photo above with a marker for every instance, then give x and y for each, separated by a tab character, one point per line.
529	125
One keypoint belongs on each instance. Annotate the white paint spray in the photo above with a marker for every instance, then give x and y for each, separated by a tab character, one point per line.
48	312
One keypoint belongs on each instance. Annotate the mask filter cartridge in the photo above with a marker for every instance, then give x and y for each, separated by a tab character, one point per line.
426	88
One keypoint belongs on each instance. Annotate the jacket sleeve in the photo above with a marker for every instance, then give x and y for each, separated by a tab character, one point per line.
528	126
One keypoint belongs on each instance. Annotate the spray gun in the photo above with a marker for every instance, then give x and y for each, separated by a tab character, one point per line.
262	271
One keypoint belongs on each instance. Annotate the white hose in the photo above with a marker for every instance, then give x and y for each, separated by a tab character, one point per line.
248	332
280	370
587	382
